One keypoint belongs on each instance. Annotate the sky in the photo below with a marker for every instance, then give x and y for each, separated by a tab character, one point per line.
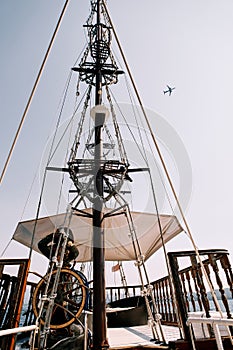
186	44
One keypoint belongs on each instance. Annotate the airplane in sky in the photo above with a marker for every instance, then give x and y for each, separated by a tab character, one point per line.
169	90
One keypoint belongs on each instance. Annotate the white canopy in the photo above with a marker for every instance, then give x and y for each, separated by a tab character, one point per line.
118	242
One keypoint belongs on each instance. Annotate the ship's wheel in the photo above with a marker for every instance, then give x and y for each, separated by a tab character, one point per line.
69	300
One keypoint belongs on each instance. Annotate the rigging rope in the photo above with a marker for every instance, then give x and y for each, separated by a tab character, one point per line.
146	290
33	91
129	129
78	134
53	291
150	147
50	156
155	202
121	147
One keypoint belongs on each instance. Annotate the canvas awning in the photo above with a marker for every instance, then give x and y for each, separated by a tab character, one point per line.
118	243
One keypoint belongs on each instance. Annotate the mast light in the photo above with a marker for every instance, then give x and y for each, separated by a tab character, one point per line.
99	114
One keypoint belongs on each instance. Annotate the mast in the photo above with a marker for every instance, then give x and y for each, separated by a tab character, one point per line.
99	303
97	69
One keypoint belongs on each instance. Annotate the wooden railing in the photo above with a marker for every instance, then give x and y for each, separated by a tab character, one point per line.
12	291
192	292
117	293
189	291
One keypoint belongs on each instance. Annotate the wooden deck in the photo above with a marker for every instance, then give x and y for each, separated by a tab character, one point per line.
139	337
130	338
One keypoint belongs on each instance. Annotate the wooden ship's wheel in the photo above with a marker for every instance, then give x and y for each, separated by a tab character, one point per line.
69	300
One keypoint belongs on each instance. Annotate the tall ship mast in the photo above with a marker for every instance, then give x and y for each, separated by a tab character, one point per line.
98	68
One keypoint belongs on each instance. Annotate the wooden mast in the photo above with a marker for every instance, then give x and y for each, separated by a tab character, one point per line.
99	303
99	71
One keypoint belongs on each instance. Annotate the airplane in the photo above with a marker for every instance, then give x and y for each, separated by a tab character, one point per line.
169	90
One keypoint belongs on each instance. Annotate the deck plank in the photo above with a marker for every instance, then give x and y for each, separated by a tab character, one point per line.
140	336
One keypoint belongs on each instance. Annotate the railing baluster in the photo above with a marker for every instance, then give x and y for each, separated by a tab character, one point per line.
219	282
182	277
161	298
201	285
194	273
5	288
187	275
169	312
225	263
164	299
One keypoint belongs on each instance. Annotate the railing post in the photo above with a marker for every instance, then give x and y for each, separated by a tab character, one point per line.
215	268
179	295
201	285
14	297
225	263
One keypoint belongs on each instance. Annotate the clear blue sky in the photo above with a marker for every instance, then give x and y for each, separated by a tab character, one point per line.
187	44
